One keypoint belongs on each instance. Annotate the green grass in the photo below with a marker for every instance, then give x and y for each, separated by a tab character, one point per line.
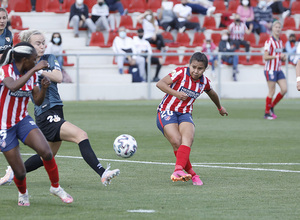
222	147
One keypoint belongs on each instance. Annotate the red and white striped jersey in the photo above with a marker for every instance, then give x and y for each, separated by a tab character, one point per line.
274	48
237	31
182	81
13	105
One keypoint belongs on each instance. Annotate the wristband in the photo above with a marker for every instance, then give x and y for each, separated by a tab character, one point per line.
220	108
298	79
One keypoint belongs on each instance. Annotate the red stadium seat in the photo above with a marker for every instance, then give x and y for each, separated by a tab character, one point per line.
66	63
154	5
67	4
198	40
183	39
284	38
232	6
251	38
16	22
126	21
97	39
216	37
54	6
131	34
220	6
172	59
289	23
169	40
257	59
20	5
16	39
186	58
90	4
210	23
137	6
111	37
262	39
243	58
295	9
40	5
125	3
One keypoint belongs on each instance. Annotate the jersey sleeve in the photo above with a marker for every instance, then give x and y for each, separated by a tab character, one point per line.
176	74
208	85
267	45
53	63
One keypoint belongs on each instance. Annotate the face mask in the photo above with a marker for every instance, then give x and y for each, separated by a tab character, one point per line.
225	37
293	41
100	3
56	40
238	20
208	46
262	4
184	4
122	34
149	17
140	36
245	2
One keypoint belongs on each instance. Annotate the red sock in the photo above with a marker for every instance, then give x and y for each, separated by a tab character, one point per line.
21	185
268	104
277	99
182	157
188	168
51	168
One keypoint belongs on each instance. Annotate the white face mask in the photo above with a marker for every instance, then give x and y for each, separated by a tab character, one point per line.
122	34
149	17
79	2
245	2
224	37
56	40
262	4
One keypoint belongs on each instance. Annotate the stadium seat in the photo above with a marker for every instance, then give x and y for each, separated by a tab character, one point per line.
40	5
257	59
262	39
232	6
111	37
16	23
53	6
198	40
289	23
194	18
220	6
284	38
169	40
216	37
251	38
90	4
67	4
295	9
254	3
210	23
186	58
125	3
16	39
297	37
154	5
243	58
286	3
183	39
126	21
131	34
66	63
20	5
97	39
137	6
172	59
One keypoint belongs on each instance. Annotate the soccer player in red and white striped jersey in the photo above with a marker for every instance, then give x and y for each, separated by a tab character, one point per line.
174	117
273	57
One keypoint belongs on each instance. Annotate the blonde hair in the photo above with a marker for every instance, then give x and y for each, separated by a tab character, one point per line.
25	35
276	22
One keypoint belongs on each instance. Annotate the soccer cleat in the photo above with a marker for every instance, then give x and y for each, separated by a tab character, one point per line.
273	113
8	177
196	181
61	193
180	176
268	116
23	199
108	175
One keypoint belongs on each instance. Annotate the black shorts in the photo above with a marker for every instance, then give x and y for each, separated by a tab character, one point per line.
50	122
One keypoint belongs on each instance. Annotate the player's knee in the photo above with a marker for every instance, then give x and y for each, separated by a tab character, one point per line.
46	155
20	174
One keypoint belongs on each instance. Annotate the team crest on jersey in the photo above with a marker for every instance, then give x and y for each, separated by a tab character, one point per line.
168	118
3	143
7	39
173	72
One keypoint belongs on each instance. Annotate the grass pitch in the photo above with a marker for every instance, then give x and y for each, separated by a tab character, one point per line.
250	166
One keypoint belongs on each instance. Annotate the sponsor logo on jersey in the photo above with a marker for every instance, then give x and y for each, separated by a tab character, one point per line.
190	93
20	93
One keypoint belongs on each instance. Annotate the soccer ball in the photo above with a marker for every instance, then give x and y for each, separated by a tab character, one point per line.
125	145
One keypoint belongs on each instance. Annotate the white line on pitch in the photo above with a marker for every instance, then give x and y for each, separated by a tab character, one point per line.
142	211
196	164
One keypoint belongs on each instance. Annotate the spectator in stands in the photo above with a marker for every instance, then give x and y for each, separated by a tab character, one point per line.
237	30
201	7
79	18
6	38
166	17
277	8
33	2
123	44
143	46
4	4
263	18
116	5
101	17
55	47
151	29
225	45
246	13
209	47
183	13
291	47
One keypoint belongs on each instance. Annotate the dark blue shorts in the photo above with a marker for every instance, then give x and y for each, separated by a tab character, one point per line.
169	117
9	138
274	75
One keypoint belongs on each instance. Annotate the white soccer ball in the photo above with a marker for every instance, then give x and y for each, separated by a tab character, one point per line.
125	145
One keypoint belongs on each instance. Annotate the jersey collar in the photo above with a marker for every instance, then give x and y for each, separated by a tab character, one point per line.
201	79
16	69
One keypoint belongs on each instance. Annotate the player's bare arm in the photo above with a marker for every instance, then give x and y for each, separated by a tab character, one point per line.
164	85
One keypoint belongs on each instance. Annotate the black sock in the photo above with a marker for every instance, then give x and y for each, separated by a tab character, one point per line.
90	157
32	163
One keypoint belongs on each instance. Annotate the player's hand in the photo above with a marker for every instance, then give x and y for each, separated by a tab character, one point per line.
283	57
182	96
223	111
41	65
45	82
298	86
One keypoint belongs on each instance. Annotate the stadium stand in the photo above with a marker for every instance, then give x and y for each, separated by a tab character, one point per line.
20	5
137	6
198	39
97	39
220	6
16	23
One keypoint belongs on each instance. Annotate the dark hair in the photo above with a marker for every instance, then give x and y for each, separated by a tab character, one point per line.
141	30
17	53
53	37
200	57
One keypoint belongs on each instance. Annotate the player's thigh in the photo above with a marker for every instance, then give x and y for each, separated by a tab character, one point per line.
72	133
187	131
171	132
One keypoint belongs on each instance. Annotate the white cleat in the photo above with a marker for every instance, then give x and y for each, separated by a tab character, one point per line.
23	199
108	175
61	193
8	177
